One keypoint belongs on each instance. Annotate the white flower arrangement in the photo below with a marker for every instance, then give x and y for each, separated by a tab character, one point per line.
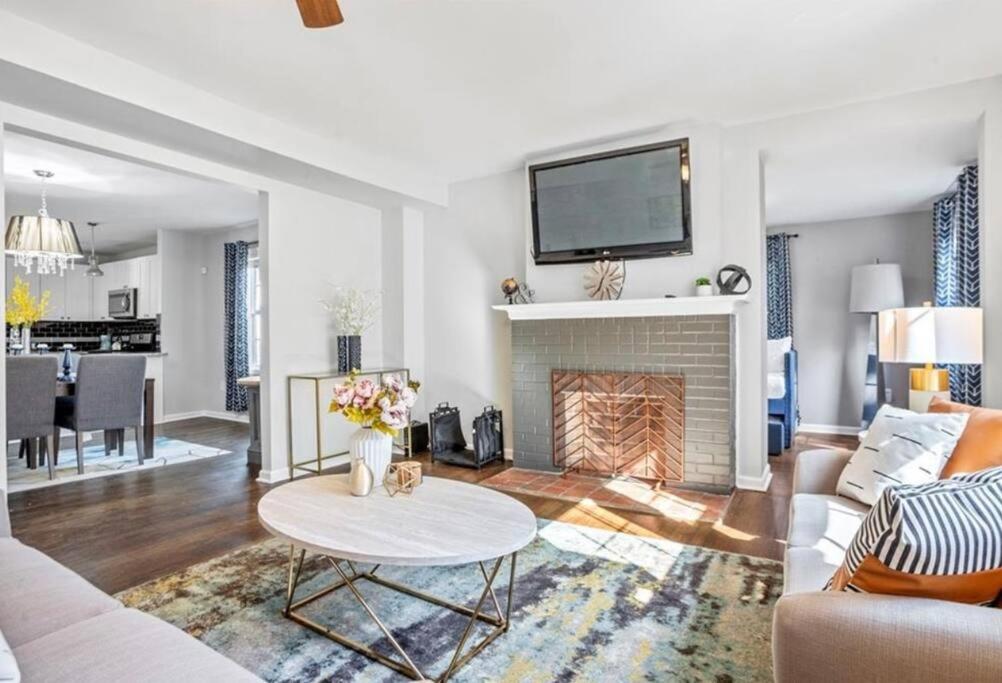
354	310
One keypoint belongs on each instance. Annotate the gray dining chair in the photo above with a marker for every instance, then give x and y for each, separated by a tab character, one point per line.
31	400
108	397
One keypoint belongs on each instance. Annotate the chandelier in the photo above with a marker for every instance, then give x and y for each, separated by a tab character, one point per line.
48	244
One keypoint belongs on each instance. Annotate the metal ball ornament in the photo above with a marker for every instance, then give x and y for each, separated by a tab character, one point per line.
732	279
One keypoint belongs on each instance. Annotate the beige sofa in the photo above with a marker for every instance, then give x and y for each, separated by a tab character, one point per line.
61	628
822	636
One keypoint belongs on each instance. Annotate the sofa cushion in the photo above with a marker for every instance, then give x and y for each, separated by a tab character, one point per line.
941	540
806	570
980	446
9	671
825	523
901	447
41	596
124	645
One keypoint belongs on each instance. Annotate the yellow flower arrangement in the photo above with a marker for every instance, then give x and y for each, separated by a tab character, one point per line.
24	310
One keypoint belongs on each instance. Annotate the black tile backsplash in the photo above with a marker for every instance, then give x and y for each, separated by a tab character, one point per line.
85	334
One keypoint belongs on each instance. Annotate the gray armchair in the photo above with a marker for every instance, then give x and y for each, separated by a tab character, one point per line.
31	400
109	397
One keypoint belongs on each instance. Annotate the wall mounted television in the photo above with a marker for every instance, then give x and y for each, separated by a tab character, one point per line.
627	203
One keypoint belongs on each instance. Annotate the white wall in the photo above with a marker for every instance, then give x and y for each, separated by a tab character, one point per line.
831	341
990	205
182	318
309	240
468	250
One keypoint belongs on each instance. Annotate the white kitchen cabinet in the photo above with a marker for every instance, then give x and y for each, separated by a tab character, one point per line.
149	286
79	301
55	285
103	285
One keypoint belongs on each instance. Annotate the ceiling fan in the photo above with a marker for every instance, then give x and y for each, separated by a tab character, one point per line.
320	13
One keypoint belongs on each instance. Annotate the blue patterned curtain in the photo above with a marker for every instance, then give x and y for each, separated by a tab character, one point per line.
957	268
780	286
235	328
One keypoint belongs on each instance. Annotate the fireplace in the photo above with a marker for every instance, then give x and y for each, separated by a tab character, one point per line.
619	424
695	350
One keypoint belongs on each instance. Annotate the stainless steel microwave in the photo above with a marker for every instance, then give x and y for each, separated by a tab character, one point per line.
122	303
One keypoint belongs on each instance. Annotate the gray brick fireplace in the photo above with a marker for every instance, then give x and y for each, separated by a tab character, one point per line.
698	347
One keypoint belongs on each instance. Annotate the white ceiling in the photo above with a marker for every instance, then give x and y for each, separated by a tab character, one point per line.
472	87
467	88
129	200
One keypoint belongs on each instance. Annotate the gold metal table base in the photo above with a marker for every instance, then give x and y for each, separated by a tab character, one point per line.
407	667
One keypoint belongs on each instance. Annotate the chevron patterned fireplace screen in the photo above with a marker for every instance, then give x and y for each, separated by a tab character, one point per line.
619	423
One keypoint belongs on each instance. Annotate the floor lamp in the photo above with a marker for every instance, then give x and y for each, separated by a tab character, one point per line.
875	287
946	335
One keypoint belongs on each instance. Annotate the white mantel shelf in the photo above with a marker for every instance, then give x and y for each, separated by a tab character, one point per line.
626	308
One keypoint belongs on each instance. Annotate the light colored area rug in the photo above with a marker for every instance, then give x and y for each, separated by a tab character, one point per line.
166	452
590	605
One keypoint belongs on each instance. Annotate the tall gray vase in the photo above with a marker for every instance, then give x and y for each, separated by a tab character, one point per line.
349	353
355	352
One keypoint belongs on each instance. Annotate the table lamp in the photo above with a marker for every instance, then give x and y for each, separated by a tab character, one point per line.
944	335
874	287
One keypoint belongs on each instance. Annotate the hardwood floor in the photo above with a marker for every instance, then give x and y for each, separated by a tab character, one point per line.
124	530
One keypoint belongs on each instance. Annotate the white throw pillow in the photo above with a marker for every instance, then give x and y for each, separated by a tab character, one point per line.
776	353
901	447
9	673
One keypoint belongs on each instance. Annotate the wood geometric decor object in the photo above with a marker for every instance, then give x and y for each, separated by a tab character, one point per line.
402	477
619	423
604	280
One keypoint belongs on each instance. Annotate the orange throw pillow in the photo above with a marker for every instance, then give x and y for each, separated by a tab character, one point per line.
939	540
980	446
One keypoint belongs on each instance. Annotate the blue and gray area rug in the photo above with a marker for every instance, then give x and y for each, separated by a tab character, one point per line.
590	605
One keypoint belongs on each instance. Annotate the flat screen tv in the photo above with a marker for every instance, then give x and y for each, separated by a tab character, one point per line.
629	203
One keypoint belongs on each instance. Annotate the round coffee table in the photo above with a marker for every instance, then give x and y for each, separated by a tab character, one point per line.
443	522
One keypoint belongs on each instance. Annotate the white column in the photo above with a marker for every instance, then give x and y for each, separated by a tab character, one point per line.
3	311
414	298
990	205
744	244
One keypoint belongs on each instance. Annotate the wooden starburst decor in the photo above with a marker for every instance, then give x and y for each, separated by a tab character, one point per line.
603	280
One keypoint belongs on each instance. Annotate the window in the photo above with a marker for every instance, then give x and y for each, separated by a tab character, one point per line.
254	310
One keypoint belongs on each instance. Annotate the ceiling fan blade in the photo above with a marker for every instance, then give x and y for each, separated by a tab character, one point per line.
320	13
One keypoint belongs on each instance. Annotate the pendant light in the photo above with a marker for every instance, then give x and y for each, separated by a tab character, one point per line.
94	270
49	244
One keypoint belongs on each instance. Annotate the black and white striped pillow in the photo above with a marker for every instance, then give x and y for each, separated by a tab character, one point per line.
939	540
901	447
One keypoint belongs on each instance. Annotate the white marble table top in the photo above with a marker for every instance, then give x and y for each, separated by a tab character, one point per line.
443	522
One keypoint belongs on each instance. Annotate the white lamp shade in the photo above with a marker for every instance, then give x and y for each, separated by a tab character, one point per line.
876	287
931	335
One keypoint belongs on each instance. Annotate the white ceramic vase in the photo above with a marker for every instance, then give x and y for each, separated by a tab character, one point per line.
704	290
373	448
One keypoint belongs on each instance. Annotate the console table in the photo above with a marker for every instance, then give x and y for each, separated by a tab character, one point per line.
315	435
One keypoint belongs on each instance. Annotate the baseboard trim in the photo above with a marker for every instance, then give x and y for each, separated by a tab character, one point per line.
281	474
214	414
509	454
759	483
273	476
838	430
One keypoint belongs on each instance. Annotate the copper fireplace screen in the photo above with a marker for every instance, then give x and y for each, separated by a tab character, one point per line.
619	423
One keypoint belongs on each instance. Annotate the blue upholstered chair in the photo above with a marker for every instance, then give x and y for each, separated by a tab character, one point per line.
785	408
109	397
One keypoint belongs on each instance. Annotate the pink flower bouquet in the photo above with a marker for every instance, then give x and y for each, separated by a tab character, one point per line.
384	407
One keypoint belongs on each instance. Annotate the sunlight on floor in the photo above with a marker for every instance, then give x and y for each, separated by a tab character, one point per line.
668	504
656	556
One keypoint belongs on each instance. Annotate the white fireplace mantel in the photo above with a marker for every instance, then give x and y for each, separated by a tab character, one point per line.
626	308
